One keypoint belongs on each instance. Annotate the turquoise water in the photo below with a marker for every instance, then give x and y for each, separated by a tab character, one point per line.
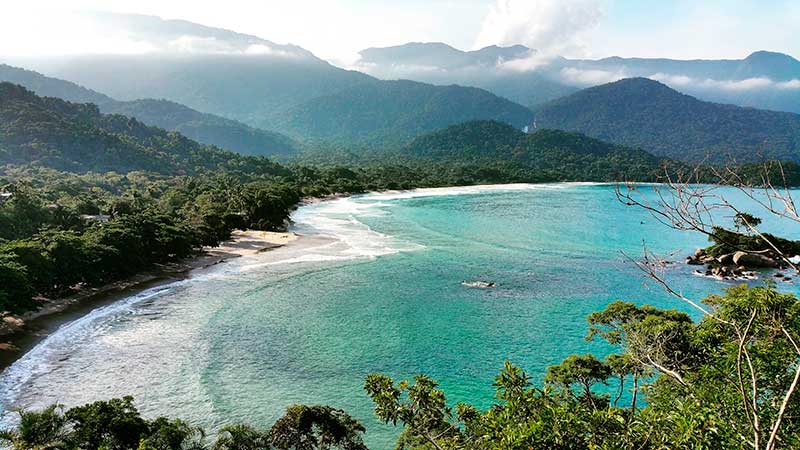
374	287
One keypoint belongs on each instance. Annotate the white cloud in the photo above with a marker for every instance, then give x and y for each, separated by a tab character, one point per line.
791	84
746	84
533	61
672	80
548	26
739	85
199	45
213	46
259	49
589	77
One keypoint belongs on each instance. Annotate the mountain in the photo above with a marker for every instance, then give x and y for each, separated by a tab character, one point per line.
258	82
772	65
640	112
370	112
760	64
184	37
202	127
393	112
552	154
215	71
254	89
76	137
439	55
767	80
439	63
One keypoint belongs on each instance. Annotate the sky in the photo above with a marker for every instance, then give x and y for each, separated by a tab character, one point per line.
337	29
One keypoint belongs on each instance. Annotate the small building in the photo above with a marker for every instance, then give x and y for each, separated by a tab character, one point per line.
5	196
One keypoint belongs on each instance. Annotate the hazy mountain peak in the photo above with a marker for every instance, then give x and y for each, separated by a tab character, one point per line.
773	65
768	56
184	37
440	55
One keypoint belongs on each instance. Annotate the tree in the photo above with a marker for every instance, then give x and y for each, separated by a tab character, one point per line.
425	414
583	370
16	289
113	425
748	338
166	434
241	437
38	430
316	428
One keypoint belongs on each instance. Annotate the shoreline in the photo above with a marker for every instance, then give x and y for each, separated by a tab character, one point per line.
17	340
19	334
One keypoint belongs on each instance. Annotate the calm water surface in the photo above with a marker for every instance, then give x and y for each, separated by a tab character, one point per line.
375	288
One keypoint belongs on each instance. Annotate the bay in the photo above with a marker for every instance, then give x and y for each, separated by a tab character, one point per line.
375	285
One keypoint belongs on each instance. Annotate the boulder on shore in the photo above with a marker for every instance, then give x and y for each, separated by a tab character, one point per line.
753	260
726	259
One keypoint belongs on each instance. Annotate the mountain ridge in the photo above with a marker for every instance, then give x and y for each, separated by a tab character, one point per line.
76	137
393	112
644	113
203	127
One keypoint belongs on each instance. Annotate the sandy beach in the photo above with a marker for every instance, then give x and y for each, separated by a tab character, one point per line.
18	334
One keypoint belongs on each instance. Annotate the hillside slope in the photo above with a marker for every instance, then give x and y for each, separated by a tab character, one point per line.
394	112
639	112
553	154
205	128
76	137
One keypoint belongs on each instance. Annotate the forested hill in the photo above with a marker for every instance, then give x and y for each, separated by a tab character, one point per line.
643	113
394	112
76	137
205	128
553	154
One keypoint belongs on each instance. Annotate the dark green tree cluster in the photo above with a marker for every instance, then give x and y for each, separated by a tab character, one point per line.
56	234
117	425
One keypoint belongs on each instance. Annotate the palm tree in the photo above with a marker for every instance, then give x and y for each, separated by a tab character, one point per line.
39	430
240	437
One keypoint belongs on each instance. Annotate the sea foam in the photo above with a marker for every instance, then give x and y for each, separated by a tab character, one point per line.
47	353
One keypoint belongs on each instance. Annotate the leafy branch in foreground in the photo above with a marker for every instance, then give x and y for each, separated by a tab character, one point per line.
749	338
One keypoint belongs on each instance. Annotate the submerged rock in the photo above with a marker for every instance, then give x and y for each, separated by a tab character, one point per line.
478	284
